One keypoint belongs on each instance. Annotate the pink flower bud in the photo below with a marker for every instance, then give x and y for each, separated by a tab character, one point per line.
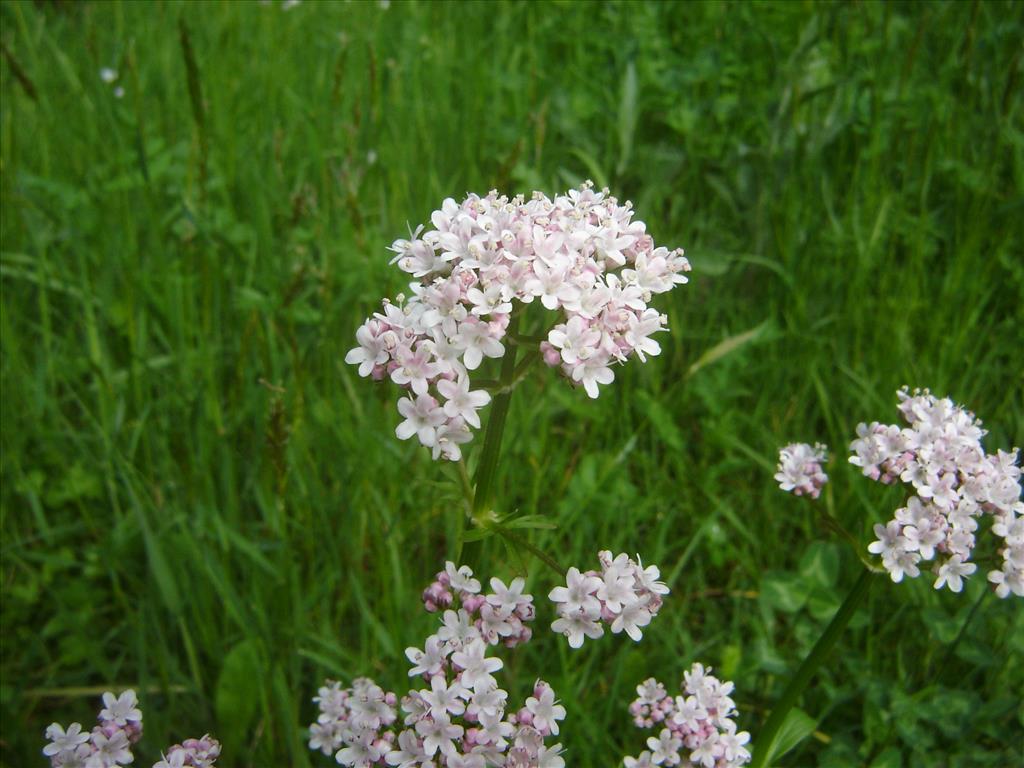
552	356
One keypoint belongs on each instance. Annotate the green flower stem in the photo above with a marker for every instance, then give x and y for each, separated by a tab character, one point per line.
484	480
522	541
948	655
810	665
523	339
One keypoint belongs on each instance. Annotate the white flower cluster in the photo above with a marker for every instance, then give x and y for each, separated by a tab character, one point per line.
700	721
623	594
580	253
800	469
955	484
109	744
500	616
460	719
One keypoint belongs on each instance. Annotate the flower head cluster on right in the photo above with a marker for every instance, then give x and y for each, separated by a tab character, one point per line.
955	483
623	594
700	722
110	743
459	719
581	253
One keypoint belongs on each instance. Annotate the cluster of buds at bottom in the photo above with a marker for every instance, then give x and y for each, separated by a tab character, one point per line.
799	469
109	743
695	728
460	718
623	594
498	616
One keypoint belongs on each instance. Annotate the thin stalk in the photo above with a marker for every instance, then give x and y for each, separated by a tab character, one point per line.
460	533
537	552
959	636
460	519
523	339
810	665
831	521
483	489
467	485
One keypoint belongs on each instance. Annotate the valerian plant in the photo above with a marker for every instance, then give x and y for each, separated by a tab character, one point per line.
461	717
581	255
957	491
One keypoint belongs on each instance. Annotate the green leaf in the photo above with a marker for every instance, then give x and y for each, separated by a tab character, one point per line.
76	485
662	421
165	579
786	592
237	698
727	346
940	624
627	117
531	521
597	174
797	726
823	604
709	263
384	638
820	564
245	547
732	656
889	758
478	534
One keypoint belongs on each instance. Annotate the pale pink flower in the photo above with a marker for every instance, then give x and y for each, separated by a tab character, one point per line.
582	254
955	486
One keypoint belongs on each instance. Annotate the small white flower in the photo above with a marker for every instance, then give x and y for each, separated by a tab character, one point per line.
633	616
665	748
112	750
422	418
122	709
951	573
428	661
579	594
577	625
460	401
461	578
444	699
64	741
476	666
545	710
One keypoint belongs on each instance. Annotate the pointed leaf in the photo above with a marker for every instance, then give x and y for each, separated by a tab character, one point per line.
797	726
237	698
726	347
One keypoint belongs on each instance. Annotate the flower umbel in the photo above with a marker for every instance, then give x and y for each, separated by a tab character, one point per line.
581	254
459	719
955	486
623	594
800	469
695	728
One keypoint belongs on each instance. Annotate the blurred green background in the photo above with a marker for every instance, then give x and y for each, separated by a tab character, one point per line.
201	500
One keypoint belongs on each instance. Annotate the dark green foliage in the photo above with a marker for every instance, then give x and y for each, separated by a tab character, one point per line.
199	499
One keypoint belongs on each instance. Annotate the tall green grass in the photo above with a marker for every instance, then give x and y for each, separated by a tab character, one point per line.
200	500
